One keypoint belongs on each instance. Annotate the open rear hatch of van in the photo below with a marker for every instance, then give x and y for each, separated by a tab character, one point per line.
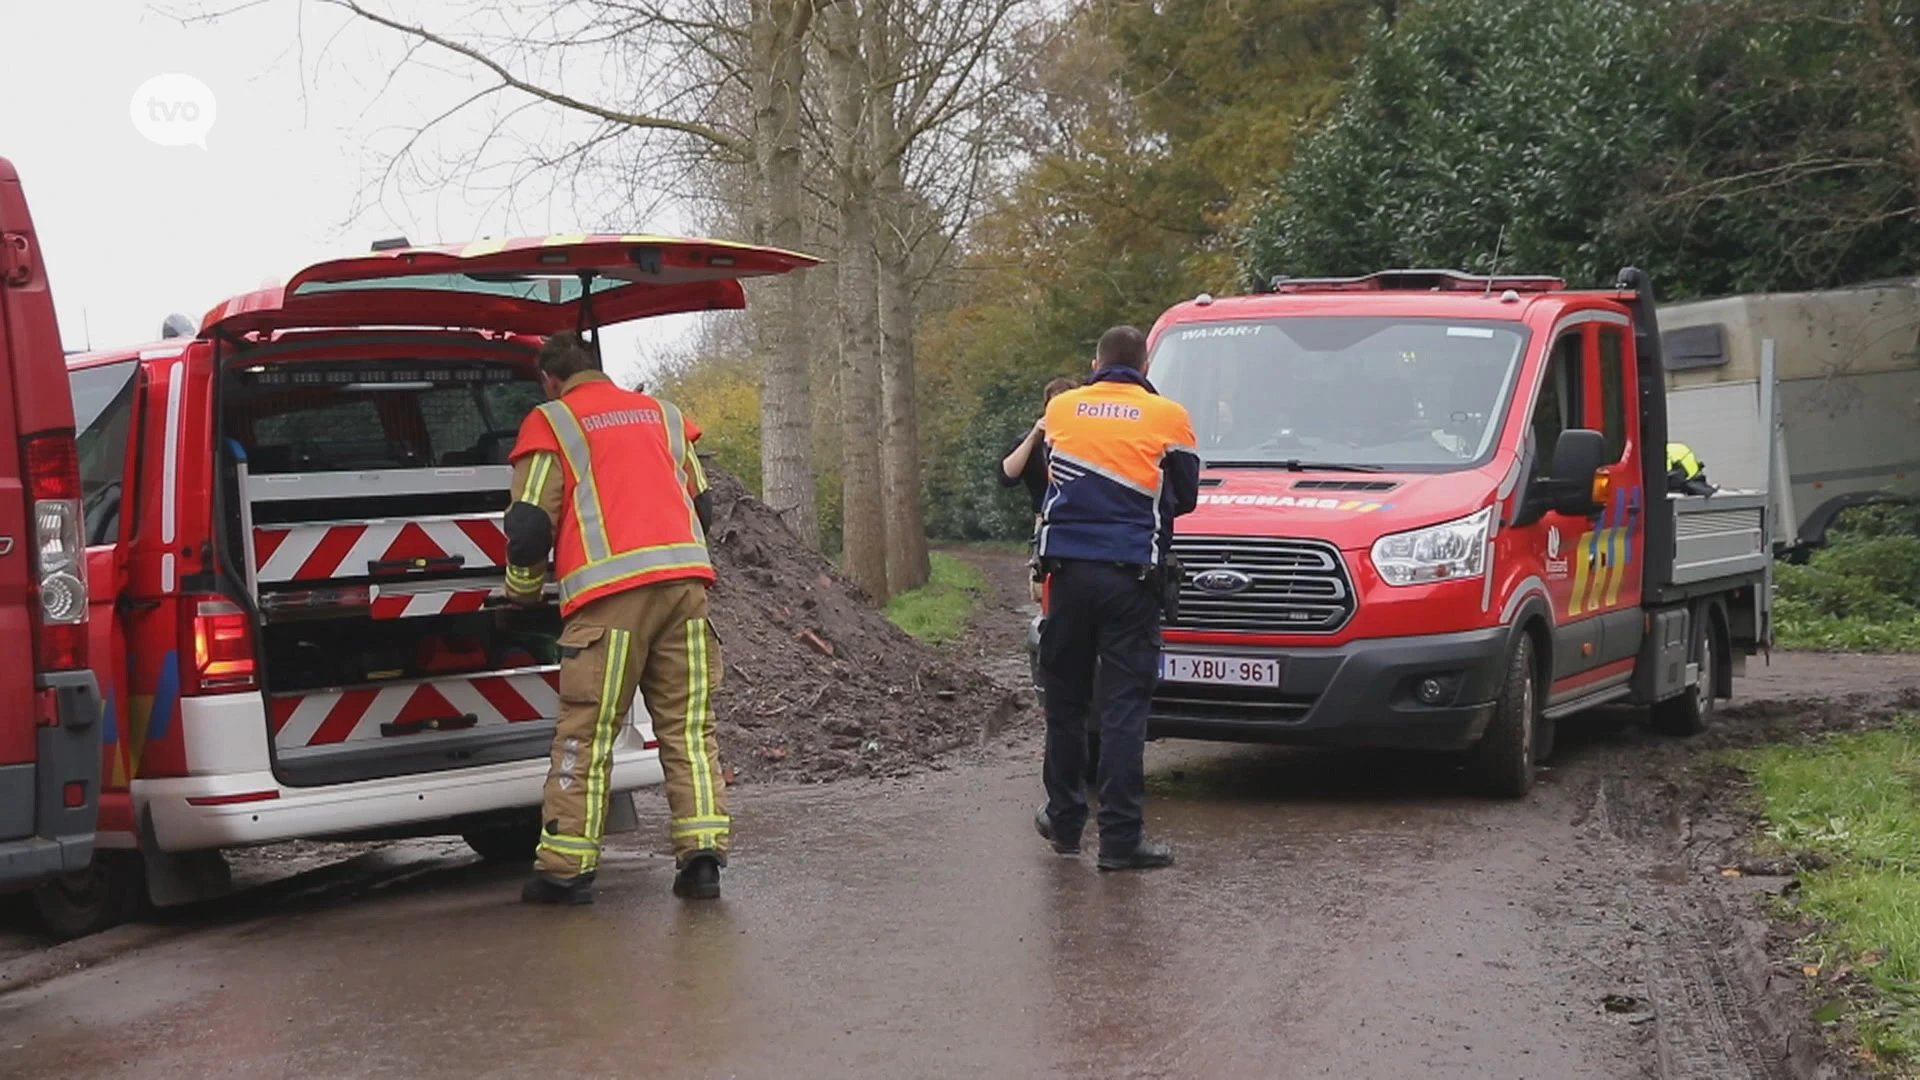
366	411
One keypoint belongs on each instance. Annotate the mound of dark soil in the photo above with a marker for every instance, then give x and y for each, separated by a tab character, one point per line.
818	684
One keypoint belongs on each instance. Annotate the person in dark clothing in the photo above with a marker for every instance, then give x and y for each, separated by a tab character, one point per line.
1026	460
1025	463
1122	464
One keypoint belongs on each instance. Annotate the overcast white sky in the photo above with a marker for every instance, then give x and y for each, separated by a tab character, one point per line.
132	231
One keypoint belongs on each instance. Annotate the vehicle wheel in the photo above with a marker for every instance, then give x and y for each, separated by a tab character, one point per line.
1503	759
1545	731
508	841
1690	712
105	894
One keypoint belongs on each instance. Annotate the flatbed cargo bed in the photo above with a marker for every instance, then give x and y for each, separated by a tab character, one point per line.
1719	536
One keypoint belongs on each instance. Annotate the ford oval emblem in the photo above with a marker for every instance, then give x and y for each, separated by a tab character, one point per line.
1222	582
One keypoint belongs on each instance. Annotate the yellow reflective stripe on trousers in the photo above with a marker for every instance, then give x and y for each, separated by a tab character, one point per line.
568	845
633	564
586	497
605	726
707	818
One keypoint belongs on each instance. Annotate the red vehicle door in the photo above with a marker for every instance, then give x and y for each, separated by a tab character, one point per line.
1570	544
49	701
106	401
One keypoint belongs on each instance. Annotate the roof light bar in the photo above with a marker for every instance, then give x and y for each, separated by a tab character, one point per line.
1420	281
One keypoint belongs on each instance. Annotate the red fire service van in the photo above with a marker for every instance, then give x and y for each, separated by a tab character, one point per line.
297	563
1434	515
49	702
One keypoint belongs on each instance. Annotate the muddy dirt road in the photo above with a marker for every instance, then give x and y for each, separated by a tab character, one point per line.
1331	914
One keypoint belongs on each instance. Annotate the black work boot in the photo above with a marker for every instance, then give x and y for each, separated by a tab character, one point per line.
1062	845
1146	855
699	876
542	889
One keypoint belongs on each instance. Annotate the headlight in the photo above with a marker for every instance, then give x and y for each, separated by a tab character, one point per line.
1453	549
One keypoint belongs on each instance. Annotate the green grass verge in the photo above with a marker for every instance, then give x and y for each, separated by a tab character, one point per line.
938	611
1855	800
1820	632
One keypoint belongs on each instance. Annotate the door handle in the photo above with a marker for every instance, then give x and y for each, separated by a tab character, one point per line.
128	604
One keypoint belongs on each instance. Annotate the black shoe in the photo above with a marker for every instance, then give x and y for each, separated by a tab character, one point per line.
1062	845
1146	855
699	877
545	890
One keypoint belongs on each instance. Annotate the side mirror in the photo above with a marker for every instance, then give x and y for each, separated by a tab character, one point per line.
1578	457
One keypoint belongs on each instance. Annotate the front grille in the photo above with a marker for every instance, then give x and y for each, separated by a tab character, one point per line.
1296	587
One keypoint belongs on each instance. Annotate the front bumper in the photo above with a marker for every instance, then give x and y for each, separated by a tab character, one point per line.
294	813
1360	694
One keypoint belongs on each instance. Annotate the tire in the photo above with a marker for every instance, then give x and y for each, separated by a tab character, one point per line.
104	895
498	841
1503	759
1691	712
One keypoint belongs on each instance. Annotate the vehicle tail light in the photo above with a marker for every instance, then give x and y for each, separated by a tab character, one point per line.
59	553
222	638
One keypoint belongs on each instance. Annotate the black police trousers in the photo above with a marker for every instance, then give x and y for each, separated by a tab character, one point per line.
1104	615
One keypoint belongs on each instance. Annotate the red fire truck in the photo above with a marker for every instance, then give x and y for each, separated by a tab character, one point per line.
297	564
49	701
1434	514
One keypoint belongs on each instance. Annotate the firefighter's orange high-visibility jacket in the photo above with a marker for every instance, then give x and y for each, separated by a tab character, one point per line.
630	479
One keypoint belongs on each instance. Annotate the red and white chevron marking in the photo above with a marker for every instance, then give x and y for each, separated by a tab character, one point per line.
342	716
319	552
452	602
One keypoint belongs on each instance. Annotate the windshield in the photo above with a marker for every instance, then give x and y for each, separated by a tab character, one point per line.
1374	393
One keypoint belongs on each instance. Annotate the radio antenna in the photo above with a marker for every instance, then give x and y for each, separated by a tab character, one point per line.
1499	241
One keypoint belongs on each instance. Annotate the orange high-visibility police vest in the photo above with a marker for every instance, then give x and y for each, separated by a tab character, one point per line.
627	517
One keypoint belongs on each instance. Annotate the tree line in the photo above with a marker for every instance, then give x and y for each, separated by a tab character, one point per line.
995	182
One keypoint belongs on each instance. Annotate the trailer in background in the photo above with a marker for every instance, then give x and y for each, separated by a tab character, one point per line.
1839	369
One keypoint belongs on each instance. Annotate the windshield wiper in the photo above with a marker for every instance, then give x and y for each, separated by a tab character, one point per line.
1297	465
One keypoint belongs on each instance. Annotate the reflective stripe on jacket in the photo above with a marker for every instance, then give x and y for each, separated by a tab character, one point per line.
1121	467
627	477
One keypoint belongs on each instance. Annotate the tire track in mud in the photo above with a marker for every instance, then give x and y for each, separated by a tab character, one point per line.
1705	1027
1672	817
1701	999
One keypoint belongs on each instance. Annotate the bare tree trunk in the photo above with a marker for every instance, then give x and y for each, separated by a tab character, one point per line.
863	525
786	418
907	565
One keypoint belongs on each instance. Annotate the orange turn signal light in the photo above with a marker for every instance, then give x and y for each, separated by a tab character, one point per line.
1602	487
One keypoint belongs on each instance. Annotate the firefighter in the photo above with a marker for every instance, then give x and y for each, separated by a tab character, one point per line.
1684	471
606	480
1123	466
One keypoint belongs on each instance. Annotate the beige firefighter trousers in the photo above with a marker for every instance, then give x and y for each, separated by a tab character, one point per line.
655	638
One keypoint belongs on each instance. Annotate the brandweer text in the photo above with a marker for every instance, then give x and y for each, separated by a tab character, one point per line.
620	418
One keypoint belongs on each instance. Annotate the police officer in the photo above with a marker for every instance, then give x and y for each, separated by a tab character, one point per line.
1123	466
607	480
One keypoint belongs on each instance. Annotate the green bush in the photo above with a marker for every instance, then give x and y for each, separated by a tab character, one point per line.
1860	593
1726	146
